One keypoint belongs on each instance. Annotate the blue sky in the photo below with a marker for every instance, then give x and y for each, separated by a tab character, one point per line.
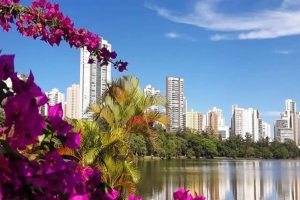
244	52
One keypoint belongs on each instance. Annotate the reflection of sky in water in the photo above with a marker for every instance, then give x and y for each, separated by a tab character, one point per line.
221	179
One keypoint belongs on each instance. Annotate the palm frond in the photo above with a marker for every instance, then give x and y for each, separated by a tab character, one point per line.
132	171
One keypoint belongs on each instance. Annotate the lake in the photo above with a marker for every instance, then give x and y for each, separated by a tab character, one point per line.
220	179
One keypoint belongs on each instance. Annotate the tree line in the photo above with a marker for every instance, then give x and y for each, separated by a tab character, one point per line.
206	145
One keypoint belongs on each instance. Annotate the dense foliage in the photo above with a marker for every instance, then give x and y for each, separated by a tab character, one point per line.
196	145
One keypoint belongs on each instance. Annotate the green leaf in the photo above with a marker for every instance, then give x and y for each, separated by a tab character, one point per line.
63	195
37	189
41	138
62	139
91	155
6	147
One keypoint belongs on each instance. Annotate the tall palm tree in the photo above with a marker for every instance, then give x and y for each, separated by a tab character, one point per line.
104	149
105	142
125	105
125	108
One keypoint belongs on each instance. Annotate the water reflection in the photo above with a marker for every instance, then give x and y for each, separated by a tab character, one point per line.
221	179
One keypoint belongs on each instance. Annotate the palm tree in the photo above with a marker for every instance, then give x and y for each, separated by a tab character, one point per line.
125	105
104	149
125	109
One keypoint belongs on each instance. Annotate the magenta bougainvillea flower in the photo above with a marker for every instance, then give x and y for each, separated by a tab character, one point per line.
182	194
131	197
6	66
58	125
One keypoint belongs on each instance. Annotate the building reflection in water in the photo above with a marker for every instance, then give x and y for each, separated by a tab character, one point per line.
221	179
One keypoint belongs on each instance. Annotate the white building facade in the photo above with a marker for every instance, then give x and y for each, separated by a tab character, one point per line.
93	79
288	126
223	130
246	121
151	91
175	107
55	97
72	103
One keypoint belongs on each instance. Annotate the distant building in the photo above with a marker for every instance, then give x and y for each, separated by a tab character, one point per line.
245	121
72	103
175	107
185	105
221	118
193	120
54	97
212	122
222	130
93	79
282	131
264	129
204	122
151	91
292	123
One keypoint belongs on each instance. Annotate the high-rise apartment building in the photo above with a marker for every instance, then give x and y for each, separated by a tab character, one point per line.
212	122
151	91
245	121
264	129
282	131
223	130
193	120
291	128
54	97
72	104
175	107
204	122
221	119
93	79
185	105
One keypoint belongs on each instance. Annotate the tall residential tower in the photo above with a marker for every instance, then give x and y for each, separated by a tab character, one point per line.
175	107
72	108
93	79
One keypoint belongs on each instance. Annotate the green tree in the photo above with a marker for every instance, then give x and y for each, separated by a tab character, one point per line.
292	148
266	153
138	145
250	152
209	148
194	143
281	153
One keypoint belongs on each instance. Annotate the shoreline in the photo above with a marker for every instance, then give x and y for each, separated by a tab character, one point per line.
149	158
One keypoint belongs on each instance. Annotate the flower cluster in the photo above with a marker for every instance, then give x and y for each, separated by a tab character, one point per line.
50	177
182	194
44	20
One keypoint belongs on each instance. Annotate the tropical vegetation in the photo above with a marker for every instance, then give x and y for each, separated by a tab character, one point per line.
120	114
205	145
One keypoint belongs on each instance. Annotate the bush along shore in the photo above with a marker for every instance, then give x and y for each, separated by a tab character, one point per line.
187	144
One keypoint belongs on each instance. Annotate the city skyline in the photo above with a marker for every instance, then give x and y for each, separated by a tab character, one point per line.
263	128
216	72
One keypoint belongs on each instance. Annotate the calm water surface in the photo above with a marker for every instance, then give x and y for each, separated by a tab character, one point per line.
221	179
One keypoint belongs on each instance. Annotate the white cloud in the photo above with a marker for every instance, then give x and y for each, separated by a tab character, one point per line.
173	35
285	52
271	113
218	37
283	21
